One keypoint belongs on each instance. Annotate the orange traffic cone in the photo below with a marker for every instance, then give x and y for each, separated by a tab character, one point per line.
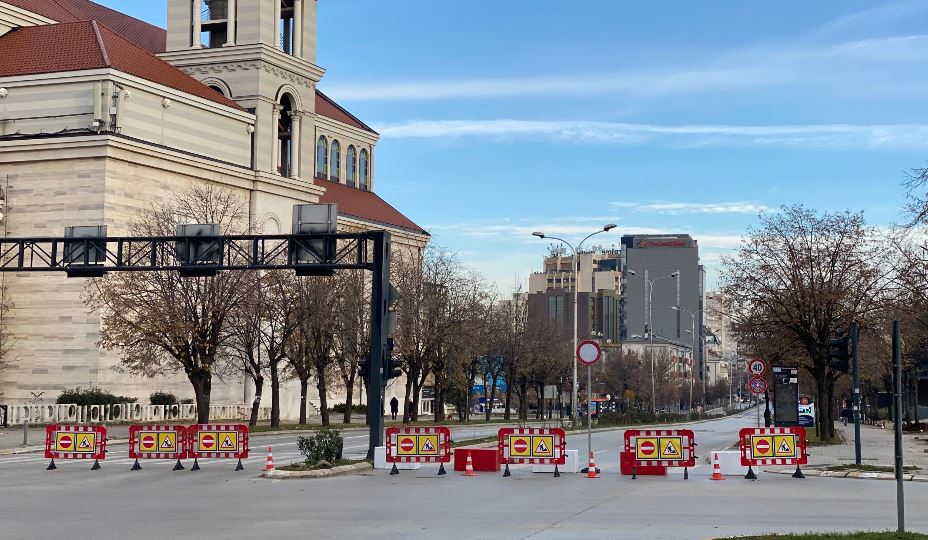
269	466
716	468
591	471
469	467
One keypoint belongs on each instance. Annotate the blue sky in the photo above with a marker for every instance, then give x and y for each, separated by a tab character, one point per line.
500	118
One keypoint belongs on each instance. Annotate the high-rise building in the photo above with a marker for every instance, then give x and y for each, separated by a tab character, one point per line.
670	263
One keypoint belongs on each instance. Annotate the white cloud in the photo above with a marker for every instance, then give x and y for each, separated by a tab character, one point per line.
843	136
681	208
825	66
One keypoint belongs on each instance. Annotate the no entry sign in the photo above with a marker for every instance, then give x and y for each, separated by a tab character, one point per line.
589	352
418	444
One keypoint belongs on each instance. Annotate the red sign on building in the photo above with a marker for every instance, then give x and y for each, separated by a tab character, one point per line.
420	444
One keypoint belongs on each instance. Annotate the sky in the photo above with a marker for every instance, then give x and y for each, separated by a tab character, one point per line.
502	118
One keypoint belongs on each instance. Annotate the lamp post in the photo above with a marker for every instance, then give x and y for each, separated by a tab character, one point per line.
650	286
692	314
576	273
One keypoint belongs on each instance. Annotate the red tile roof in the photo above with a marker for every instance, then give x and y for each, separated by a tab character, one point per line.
328	108
147	36
366	206
80	46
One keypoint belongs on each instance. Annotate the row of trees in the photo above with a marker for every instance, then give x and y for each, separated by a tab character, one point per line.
801	277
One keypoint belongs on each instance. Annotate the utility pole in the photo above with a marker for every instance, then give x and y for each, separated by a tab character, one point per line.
897	424
856	397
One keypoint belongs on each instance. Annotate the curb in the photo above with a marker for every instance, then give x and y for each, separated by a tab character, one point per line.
854	474
277	474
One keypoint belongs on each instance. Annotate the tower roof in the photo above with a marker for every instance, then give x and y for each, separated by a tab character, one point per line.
86	45
147	36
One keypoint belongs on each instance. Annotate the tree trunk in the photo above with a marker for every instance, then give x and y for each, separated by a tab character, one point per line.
821	409
508	401
323	403
439	402
349	401
202	382
406	399
492	399
304	389
275	395
523	401
256	403
417	393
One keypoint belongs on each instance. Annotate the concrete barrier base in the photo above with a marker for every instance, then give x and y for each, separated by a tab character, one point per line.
380	461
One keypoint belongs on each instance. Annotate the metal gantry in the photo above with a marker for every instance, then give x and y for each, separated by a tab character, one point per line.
307	254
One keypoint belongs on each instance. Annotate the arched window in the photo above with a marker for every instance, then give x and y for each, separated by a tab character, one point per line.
322	162
336	161
363	165
285	136
352	166
217	89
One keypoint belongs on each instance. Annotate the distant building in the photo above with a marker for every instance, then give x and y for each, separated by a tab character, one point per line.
551	295
657	258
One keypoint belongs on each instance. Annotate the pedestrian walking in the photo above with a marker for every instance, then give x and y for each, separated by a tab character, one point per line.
394	407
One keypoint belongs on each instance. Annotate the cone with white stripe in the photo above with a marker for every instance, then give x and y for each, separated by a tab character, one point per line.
591	470
716	467
269	465
469	467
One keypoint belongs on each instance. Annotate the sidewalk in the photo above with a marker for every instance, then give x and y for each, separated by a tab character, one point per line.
876	448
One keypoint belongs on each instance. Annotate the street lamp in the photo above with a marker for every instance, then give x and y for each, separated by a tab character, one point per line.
650	287
576	272
693	369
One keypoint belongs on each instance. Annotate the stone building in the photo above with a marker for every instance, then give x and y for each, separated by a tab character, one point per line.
103	115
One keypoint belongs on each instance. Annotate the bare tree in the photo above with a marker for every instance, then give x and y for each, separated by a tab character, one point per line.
808	275
352	330
162	322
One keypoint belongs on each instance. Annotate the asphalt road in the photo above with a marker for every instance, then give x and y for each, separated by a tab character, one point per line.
217	503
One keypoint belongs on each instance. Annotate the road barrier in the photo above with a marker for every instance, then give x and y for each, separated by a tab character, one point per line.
533	446
158	442
418	445
75	442
773	446
219	441
661	448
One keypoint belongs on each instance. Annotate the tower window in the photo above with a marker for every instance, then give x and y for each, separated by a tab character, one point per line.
352	166
322	162
285	136
365	169
214	23
335	161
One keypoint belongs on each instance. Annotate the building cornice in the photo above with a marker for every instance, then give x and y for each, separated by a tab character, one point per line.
245	58
334	126
22	17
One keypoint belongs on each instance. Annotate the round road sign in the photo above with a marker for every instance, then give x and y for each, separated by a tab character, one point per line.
520	446
65	441
407	445
757	385
762	446
207	440
148	442
648	448
589	352
757	367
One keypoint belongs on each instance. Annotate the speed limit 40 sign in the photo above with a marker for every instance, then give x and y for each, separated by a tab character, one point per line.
757	367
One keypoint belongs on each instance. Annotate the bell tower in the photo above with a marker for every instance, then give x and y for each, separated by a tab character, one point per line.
261	54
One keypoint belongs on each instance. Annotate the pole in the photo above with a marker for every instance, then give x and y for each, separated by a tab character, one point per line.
692	372
897	422
378	341
651	343
856	397
589	411
573	392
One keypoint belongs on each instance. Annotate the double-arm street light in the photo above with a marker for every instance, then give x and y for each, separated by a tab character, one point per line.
650	286
689	413
576	276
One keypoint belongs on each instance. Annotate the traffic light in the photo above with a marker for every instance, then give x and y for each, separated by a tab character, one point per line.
839	354
394	366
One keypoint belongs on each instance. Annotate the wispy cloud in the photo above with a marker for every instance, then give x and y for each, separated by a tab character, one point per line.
682	208
856	136
826	66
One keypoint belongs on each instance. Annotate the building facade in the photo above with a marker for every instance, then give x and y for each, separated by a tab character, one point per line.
103	116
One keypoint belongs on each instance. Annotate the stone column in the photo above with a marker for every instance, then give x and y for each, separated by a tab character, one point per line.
296	142
197	22
275	140
276	24
298	28
230	25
